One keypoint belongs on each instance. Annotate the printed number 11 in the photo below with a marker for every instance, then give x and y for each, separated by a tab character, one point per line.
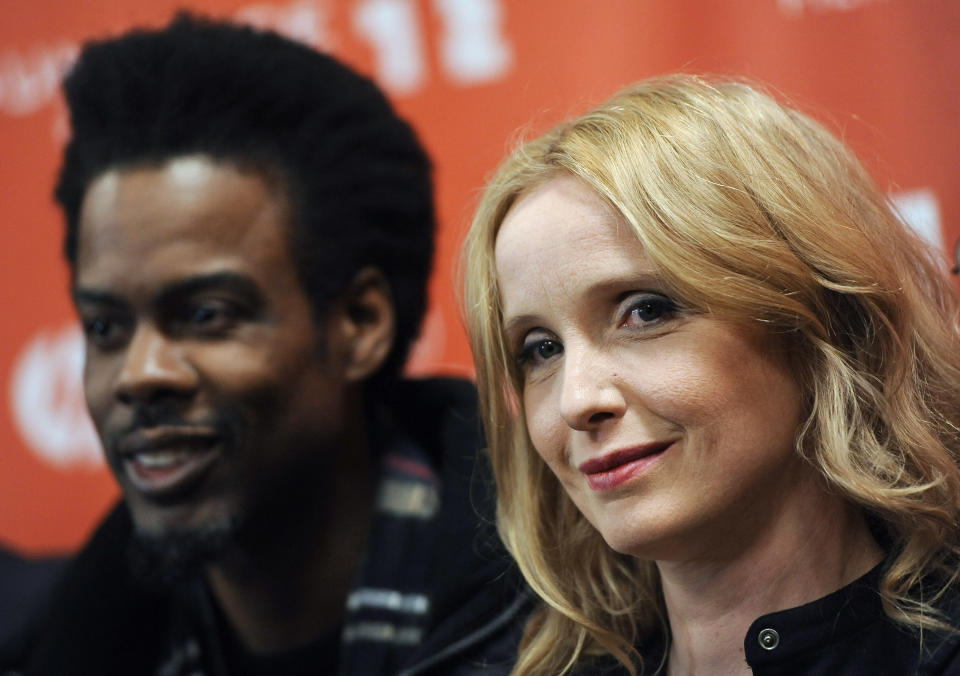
472	48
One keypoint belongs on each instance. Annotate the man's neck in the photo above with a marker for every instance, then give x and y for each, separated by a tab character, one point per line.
290	587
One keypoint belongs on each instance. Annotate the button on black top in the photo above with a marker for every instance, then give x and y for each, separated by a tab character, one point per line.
768	639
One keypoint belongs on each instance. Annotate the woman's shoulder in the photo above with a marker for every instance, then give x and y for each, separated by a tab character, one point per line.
849	632
941	648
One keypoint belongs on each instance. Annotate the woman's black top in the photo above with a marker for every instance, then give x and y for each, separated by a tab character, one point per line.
846	633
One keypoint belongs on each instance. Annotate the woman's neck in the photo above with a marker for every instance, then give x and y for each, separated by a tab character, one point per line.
815	544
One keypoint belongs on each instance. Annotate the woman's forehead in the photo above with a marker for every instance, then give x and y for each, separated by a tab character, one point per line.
562	243
561	209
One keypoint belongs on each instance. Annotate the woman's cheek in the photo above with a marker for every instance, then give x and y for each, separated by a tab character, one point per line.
544	424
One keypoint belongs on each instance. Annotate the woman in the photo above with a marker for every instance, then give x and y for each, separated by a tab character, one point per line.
720	386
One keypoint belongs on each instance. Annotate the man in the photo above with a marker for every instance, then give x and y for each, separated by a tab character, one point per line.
249	229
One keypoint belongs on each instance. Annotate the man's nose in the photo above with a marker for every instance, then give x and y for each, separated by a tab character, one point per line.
153	365
590	391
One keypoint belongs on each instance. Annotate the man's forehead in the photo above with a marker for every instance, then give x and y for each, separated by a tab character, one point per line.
196	191
182	216
192	174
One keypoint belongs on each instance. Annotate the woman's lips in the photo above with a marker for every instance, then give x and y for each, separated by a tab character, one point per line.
613	469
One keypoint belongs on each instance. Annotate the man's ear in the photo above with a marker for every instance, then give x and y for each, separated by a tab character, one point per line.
367	324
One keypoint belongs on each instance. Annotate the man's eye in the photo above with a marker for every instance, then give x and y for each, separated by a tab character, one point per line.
102	331
204	314
207	317
97	327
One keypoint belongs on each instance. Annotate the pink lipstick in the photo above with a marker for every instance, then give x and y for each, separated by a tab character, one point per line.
613	469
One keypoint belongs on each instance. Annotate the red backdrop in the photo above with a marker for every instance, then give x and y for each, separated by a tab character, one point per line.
468	74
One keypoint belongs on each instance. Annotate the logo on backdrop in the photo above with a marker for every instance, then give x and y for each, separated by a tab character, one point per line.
46	395
29	81
471	46
797	7
920	211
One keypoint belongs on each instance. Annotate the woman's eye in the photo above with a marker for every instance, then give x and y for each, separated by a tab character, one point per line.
538	350
547	349
647	310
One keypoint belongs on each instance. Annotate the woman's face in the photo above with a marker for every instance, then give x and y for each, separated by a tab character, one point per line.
673	432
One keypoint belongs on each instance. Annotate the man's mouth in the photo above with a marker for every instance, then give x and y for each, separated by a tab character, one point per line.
611	470
163	464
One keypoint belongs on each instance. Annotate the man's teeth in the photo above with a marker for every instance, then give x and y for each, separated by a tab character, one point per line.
159	459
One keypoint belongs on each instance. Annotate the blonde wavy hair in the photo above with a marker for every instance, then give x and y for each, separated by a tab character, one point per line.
749	210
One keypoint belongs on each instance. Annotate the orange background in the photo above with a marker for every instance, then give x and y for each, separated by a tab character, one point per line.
883	73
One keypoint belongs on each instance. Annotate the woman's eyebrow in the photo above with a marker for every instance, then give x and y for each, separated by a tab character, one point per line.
612	287
520	323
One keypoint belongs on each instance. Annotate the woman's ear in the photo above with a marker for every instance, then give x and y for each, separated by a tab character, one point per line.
367	325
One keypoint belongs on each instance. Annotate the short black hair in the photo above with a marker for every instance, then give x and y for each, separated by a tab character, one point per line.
357	179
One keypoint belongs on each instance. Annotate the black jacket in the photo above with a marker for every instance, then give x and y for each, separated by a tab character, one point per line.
25	584
103	621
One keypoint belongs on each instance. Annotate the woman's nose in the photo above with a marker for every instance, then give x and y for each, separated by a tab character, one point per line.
590	392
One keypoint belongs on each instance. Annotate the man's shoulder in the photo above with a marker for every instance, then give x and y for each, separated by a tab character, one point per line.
442	417
451	396
96	617
478	599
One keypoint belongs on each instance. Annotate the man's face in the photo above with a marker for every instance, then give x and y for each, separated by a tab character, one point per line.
206	375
